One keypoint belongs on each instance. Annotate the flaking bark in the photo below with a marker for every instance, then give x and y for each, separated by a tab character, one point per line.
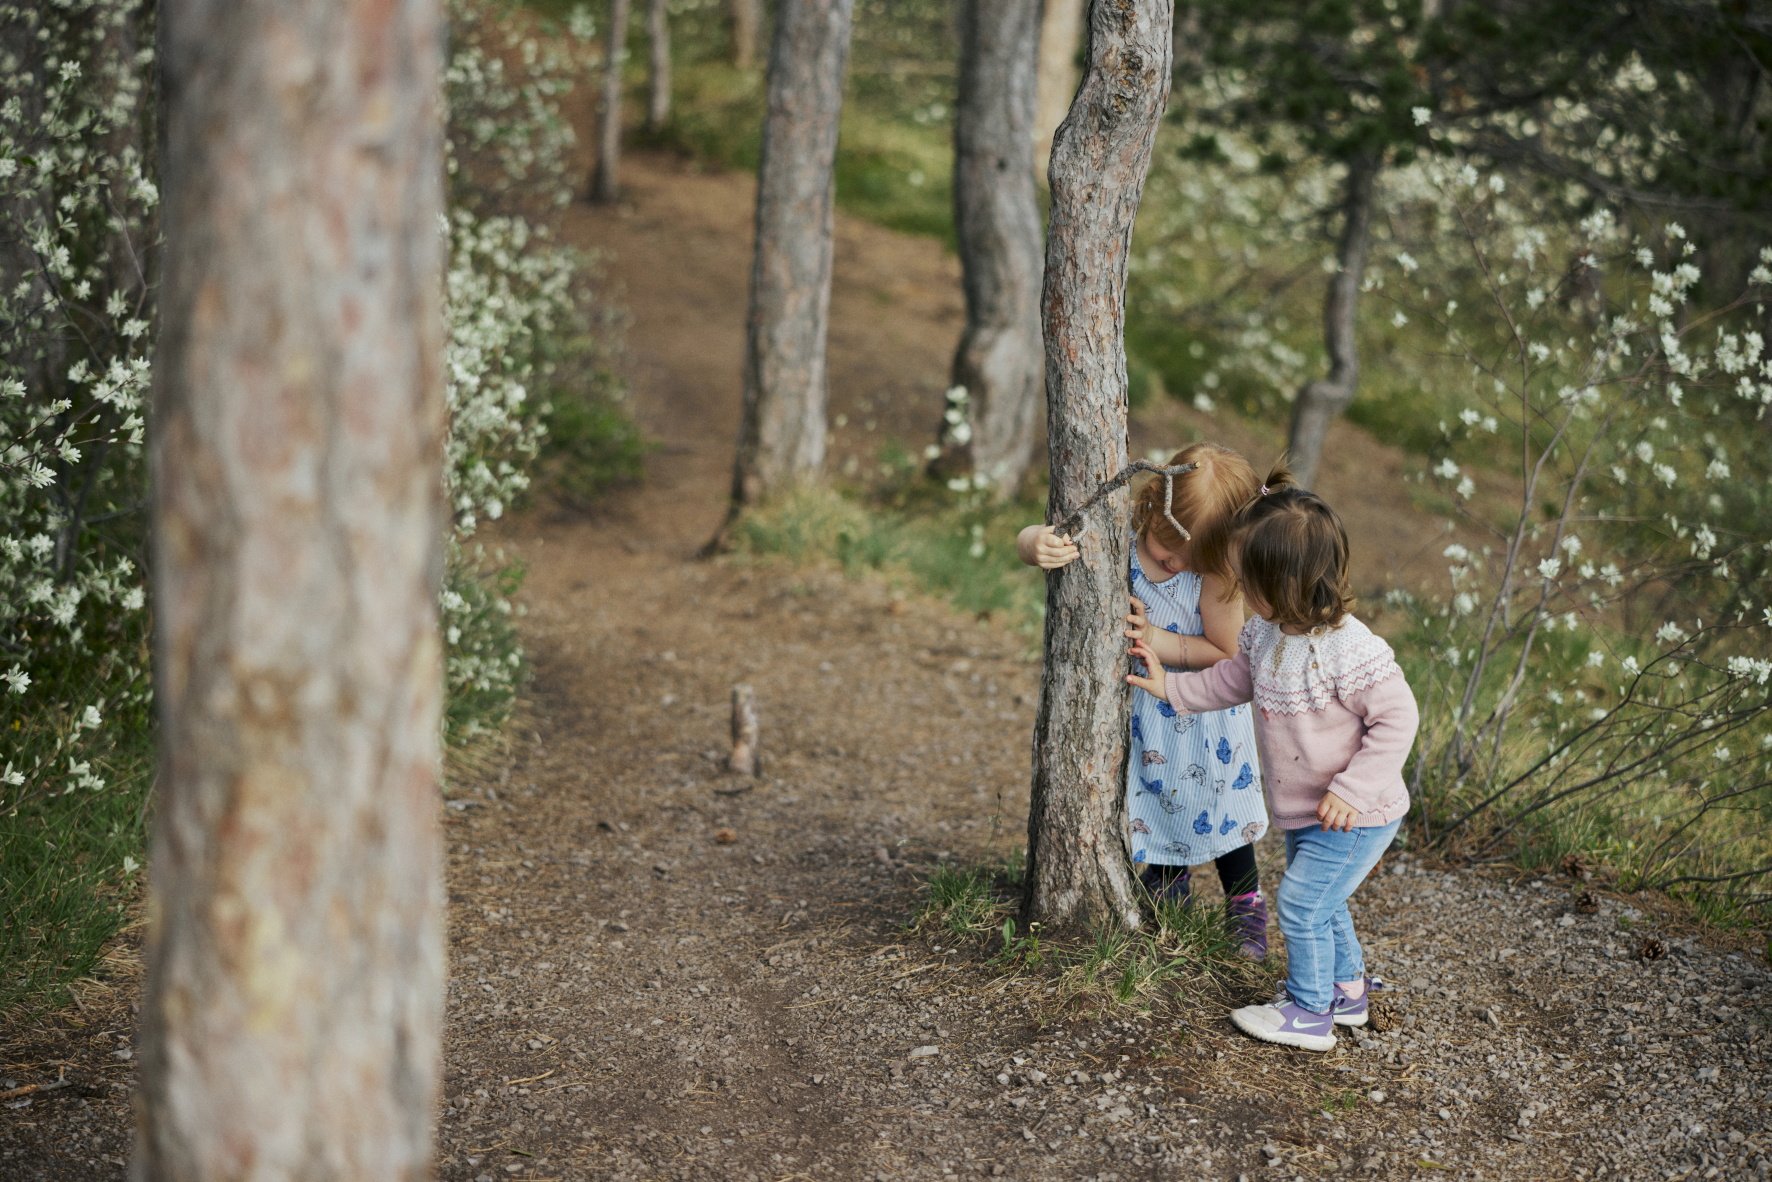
997	221
782	433
1322	400
658	38
1077	863
606	175
744	21
1061	32
295	940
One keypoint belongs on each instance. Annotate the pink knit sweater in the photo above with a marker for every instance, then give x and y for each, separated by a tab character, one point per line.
1335	715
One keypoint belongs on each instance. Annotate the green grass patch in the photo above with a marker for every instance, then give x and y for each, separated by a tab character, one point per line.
959	549
1182	951
70	854
967	901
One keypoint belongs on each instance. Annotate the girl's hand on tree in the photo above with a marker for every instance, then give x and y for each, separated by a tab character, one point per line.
1053	550
1138	625
1336	813
1152	681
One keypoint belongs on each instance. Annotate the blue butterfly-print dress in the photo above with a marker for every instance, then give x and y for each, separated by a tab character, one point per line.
1193	781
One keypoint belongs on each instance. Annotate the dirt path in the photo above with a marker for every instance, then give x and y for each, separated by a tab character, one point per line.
659	972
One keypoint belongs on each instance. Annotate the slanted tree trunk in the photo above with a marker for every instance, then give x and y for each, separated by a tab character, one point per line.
1323	399
997	218
605	183
658	36
782	435
1077	864
744	20
295	945
1061	32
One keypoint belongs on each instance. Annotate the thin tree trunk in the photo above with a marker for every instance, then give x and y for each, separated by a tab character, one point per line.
744	18
295	945
1077	865
658	36
1061	32
997	218
782	436
1323	399
605	182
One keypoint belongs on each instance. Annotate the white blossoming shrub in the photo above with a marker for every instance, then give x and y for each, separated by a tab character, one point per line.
522	325
1595	680
76	234
77	244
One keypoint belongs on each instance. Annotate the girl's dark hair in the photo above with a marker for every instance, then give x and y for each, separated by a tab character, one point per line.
1206	501
1292	554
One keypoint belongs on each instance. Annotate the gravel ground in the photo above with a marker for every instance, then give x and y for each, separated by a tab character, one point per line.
661	972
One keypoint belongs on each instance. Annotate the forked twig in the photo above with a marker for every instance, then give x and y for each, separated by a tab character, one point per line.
1073	524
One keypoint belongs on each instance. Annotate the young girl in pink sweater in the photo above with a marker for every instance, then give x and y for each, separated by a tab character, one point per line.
1334	723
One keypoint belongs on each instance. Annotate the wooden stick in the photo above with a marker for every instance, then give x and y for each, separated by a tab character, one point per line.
747	756
27	1089
1071	525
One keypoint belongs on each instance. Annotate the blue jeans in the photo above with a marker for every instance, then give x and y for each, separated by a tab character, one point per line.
1324	868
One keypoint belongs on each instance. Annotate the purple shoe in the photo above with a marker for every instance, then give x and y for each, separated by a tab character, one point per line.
1286	1022
1247	916
1353	1011
1167	884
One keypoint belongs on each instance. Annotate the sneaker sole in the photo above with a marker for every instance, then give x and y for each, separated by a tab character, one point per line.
1352	1020
1288	1038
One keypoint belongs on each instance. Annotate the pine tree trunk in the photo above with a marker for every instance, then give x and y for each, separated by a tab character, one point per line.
744	19
605	182
1322	400
658	35
997	219
782	436
1061	32
1077	864
295	947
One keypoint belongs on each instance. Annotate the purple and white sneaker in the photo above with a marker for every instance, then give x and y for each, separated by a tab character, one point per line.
1286	1022
1247	915
1353	1011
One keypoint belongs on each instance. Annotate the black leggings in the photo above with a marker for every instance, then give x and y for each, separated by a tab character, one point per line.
1236	871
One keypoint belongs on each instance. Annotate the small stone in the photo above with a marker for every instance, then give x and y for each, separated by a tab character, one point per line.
725	836
1489	1017
924	1052
1708	1074
1376	1095
1271	1151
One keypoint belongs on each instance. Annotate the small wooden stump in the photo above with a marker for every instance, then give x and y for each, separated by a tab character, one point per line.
747	757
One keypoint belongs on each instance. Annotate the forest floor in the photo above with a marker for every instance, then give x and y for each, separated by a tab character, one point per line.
661	971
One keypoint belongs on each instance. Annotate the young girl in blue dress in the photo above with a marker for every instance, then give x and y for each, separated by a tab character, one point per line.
1193	781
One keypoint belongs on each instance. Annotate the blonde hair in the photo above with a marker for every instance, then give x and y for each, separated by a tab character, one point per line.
1205	502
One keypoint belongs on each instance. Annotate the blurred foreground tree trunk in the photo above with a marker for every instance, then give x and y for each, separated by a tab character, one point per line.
658	37
997	220
1061	33
744	20
1322	400
782	435
295	946
1077	863
605	181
